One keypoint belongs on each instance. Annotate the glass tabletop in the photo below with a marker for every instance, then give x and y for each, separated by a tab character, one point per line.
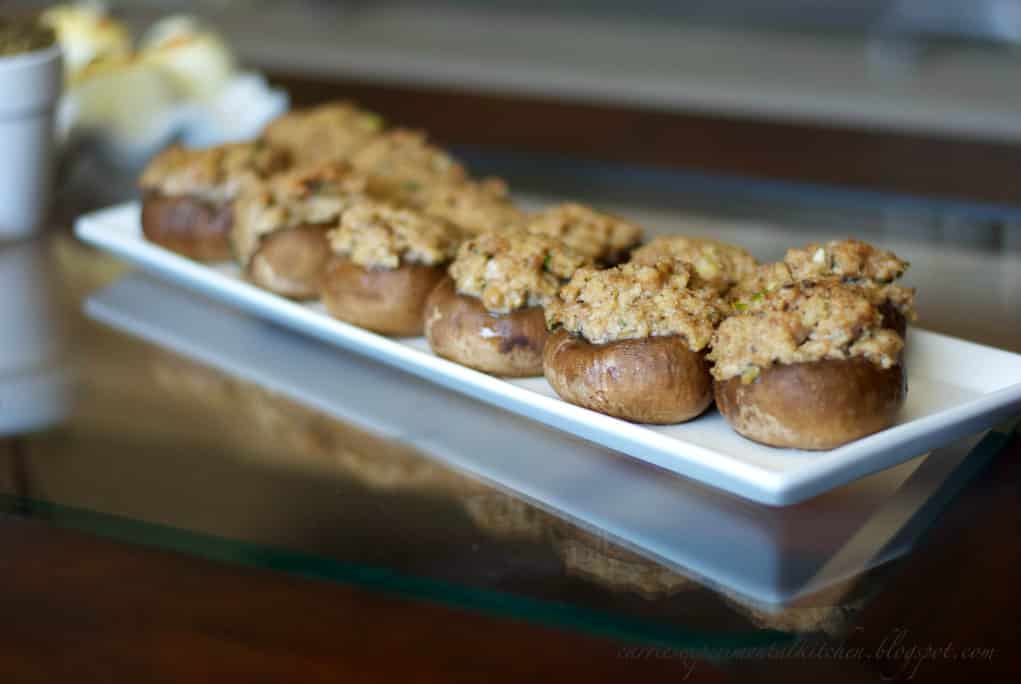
140	412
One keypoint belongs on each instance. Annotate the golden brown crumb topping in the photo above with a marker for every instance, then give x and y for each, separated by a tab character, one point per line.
849	260
333	131
799	323
511	270
475	207
402	165
597	235
635	301
215	174
769	277
375	235
763	278
717	264
316	194
901	298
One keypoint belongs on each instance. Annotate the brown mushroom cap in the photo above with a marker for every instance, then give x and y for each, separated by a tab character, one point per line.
460	328
814	405
290	262
650	380
189	226
387	301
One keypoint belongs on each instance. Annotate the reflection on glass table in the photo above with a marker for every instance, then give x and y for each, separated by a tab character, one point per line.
34	385
765	554
337	467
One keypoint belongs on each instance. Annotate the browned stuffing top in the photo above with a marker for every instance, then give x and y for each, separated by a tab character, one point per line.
402	165
309	195
635	301
799	323
849	260
375	235
587	231
718	264
332	131
475	207
510	270
769	277
215	174
763	278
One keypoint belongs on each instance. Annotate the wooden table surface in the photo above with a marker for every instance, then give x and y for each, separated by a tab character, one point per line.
78	607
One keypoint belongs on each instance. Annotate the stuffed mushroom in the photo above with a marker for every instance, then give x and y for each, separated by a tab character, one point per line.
385	261
188	195
488	313
809	365
279	233
631	341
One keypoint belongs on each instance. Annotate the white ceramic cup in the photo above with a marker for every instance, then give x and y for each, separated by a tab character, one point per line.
30	85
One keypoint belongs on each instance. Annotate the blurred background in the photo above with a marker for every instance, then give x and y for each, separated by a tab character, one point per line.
768	123
909	96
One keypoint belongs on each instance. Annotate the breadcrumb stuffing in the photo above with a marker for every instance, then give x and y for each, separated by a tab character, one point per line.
402	166
603	237
316	195
475	207
509	270
333	131
718	264
635	301
375	235
214	174
763	278
849	260
769	277
803	322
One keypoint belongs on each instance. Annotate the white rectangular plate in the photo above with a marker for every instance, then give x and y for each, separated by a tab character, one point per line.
768	555
956	388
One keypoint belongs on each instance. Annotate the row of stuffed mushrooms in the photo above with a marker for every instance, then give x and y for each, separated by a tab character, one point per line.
393	235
